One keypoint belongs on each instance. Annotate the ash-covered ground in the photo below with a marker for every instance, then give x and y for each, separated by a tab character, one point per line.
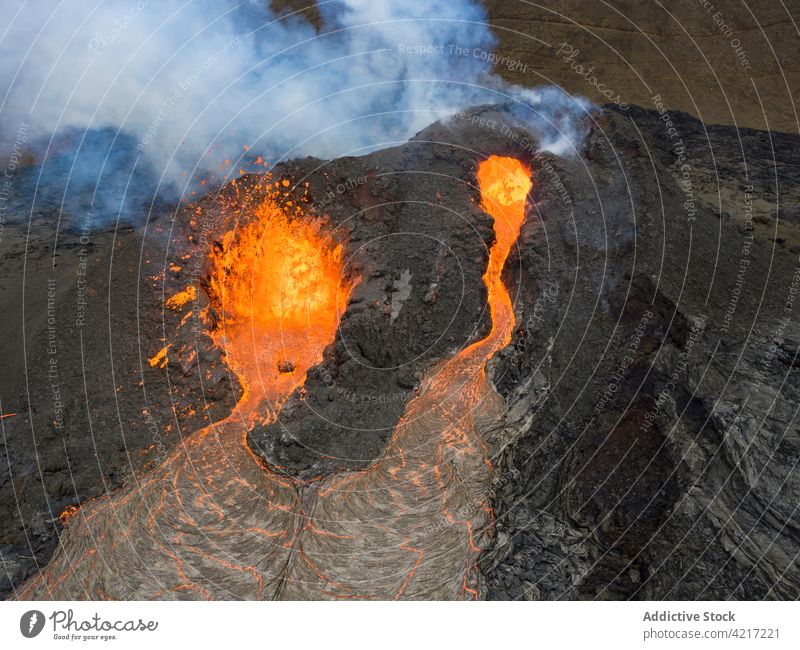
649	446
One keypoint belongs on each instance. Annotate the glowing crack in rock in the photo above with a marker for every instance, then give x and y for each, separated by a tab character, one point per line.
212	522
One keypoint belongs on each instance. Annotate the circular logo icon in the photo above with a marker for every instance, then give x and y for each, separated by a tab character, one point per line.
31	623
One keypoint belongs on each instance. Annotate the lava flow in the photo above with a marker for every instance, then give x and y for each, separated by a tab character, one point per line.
412	525
211	522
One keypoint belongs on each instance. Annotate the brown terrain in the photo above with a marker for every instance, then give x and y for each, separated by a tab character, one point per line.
129	426
723	61
681	50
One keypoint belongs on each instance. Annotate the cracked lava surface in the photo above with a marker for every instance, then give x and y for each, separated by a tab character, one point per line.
211	522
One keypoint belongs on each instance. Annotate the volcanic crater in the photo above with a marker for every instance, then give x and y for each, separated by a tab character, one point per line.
415	438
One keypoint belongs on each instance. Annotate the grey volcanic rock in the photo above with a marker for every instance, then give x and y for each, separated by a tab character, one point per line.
650	447
89	412
418	243
652	441
650	444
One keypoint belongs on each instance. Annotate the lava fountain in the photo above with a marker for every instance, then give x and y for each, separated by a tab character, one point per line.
211	522
277	282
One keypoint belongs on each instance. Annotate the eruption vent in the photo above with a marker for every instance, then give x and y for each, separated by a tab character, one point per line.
504	184
211	522
277	281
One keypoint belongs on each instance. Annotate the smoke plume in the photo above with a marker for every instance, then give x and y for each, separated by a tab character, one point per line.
122	102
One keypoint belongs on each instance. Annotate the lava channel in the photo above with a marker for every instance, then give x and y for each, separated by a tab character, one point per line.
211	522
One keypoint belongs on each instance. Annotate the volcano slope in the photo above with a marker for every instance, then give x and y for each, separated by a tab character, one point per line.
201	523
642	442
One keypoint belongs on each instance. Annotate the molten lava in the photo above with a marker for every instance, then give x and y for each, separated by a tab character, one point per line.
211	522
413	524
504	184
277	281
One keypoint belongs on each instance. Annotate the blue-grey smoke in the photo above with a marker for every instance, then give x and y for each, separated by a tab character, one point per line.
123	102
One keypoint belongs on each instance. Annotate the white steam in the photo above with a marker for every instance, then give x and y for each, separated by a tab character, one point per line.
194	82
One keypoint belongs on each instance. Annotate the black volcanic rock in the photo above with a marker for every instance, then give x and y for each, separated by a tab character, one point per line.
650	443
652	435
650	440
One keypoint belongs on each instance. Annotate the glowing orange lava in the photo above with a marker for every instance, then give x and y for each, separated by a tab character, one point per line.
209	522
278	282
413	524
504	184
